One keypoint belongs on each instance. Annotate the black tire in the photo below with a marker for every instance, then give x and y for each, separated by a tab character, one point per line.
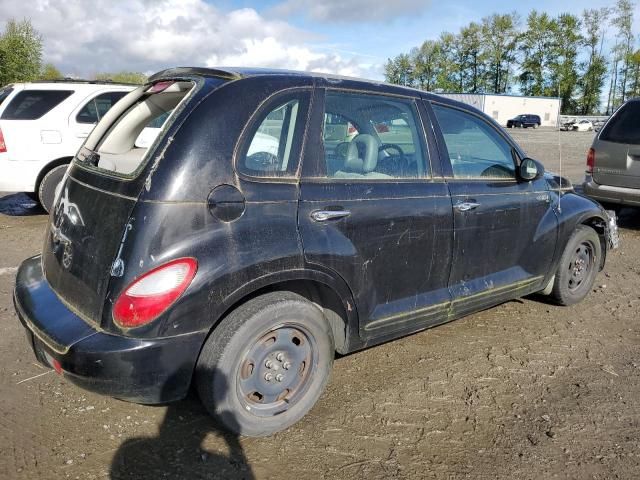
578	266
231	374
48	185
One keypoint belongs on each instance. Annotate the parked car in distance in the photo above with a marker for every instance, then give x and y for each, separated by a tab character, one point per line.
42	125
613	161
213	257
524	121
582	126
568	125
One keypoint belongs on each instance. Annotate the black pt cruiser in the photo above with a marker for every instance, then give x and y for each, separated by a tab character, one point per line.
277	218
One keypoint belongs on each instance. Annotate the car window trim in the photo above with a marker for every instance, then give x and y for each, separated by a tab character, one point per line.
420	128
516	154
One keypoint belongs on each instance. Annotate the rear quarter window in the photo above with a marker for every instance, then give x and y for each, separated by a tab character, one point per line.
33	104
624	126
273	145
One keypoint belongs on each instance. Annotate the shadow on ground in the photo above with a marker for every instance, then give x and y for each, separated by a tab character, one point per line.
629	218
177	452
19	205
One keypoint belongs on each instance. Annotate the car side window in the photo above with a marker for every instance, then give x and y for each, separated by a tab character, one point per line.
95	108
273	146
369	136
476	149
34	104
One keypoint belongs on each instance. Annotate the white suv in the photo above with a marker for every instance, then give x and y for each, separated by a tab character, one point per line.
42	126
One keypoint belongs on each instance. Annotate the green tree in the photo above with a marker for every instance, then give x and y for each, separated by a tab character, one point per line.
472	58
426	64
535	44
499	34
50	72
123	77
20	52
634	66
624	22
595	68
446	64
563	67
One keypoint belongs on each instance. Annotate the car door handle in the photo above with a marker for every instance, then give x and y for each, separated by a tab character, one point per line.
324	215
466	206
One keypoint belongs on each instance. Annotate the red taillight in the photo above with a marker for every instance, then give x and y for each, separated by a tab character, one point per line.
56	366
150	295
591	160
3	146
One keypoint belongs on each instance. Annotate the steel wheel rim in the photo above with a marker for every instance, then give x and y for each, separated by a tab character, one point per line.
580	266
276	370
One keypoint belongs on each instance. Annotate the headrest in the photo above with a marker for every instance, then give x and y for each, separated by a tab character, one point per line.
362	154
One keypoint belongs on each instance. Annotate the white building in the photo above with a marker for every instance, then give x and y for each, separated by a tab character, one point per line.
504	107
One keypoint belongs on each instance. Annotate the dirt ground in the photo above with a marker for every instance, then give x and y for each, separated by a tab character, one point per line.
525	390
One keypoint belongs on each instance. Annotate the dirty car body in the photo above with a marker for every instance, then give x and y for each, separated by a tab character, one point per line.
384	234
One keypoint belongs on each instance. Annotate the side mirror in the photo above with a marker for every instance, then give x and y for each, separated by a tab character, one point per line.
530	169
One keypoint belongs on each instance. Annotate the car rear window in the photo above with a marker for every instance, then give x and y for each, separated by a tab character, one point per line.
33	104
624	126
120	140
4	93
95	109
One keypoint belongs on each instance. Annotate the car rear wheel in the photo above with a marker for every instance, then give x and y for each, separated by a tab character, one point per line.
578	267
535	125
265	366
48	185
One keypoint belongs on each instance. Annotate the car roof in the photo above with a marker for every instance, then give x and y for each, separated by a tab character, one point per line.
237	73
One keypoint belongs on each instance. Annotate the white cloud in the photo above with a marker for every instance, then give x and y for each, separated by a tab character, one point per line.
83	38
339	11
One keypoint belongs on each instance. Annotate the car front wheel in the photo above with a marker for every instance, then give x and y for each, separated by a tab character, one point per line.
578	266
267	363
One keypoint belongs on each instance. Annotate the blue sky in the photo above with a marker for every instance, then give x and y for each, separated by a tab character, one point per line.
349	37
400	30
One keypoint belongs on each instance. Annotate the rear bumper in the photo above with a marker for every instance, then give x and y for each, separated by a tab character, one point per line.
611	194
137	370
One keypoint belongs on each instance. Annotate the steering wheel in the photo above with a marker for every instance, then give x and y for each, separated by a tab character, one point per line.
263	161
394	164
392	146
340	150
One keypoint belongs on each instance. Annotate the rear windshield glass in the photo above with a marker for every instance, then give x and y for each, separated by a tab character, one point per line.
4	93
32	104
624	126
93	111
120	140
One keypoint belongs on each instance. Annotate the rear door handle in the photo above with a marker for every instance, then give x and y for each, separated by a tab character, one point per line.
466	206
324	215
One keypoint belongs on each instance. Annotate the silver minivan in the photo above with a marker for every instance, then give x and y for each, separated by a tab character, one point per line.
613	161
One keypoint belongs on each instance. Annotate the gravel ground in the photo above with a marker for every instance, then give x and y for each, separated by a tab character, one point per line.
523	390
